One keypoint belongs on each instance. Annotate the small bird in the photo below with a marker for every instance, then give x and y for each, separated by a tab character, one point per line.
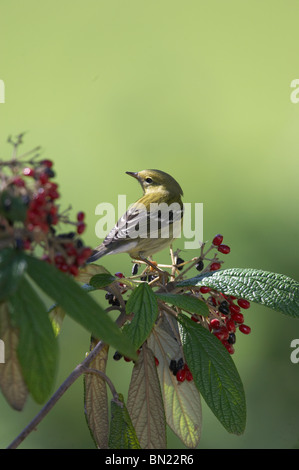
151	223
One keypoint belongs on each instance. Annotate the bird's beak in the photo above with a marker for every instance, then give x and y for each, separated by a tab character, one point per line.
132	173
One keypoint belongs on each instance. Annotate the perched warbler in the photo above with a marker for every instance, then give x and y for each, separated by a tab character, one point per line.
151	223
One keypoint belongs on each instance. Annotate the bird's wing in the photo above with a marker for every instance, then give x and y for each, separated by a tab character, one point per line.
137	222
127	226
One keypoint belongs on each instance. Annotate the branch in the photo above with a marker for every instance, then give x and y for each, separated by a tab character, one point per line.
74	375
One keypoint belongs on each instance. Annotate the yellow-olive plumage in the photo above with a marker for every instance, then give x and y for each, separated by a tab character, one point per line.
160	190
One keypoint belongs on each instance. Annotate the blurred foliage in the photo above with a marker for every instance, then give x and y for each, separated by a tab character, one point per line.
202	91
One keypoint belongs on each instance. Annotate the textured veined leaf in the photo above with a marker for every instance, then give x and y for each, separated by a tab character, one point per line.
214	374
12	268
145	403
122	433
274	290
101	280
181	399
37	346
185	302
12	382
96	399
143	303
90	270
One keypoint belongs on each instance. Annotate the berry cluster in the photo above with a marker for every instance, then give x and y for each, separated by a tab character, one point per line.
70	255
225	316
180	370
117	356
112	299
29	213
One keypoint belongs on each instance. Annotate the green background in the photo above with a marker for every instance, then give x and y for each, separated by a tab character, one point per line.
200	89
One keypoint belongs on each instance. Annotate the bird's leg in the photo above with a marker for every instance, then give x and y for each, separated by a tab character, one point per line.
163	275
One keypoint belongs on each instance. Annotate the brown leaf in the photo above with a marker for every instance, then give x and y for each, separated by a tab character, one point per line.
96	399
145	403
86	273
56	316
181	399
11	379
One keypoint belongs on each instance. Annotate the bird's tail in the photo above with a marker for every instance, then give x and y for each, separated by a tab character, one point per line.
97	253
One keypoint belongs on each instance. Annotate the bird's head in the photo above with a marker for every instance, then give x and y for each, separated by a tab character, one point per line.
157	181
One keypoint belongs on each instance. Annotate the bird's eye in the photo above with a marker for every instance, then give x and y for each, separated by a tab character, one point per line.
148	180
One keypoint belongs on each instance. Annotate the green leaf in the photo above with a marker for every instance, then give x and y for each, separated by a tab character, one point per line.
215	374
143	303
56	315
144	396
181	399
185	302
122	433
78	304
101	280
12	207
276	291
12	382
12	268
37	346
96	399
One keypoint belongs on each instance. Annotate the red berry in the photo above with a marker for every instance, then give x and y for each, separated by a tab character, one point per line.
127	359
228	346
156	361
17	181
120	275
43	178
245	329
80	260
194	318
243	303
230	325
87	252
222	333
234	308
47	163
71	249
237	317
63	267
80	216
204	289
74	270
215	266
217	240
81	227
28	172
59	259
189	376
215	323
181	375
53	194
224	249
